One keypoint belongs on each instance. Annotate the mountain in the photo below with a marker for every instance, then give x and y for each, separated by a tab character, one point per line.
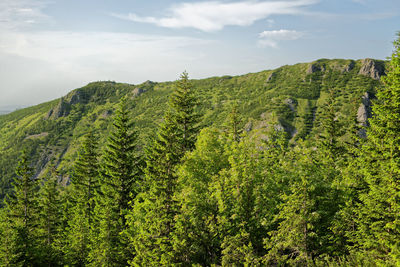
289	97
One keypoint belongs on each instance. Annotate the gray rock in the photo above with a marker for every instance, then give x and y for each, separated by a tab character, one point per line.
348	67
372	68
137	92
271	76
290	102
313	68
249	126
61	110
364	112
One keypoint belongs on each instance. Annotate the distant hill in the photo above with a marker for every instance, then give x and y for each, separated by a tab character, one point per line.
288	97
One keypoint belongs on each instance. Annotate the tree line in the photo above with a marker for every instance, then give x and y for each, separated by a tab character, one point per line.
212	197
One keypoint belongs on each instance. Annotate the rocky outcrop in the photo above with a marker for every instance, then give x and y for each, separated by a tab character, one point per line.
75	97
249	126
63	107
372	68
137	92
270	77
348	67
105	114
37	136
312	68
61	110
290	102
364	113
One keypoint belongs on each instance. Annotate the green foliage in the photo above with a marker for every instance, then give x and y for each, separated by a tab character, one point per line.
85	186
378	210
156	208
120	183
277	176
21	218
49	222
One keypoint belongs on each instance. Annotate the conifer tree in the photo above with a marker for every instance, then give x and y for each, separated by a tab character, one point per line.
49	222
295	241
120	183
156	208
21	218
379	213
197	238
233	122
85	183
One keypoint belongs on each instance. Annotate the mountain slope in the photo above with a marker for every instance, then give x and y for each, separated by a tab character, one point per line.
289	97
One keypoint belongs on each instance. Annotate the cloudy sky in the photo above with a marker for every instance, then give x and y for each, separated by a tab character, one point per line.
49	47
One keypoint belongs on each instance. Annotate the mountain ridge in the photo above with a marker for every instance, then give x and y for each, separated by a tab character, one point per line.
289	97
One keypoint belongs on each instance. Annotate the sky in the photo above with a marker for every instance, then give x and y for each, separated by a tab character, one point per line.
49	47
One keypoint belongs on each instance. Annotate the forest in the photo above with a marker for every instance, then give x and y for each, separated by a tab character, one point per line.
197	195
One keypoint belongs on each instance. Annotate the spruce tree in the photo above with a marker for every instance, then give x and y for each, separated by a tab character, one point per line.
49	221
120	183
197	238
295	241
378	228
21	218
155	210
85	183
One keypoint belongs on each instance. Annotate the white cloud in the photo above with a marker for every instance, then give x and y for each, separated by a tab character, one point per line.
47	64
21	13
215	15
271	38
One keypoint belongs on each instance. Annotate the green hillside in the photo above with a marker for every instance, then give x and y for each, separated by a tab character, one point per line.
288	97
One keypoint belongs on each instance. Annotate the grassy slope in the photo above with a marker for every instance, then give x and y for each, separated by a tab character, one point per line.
259	95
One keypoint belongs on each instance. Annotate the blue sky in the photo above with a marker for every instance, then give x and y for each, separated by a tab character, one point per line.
49	47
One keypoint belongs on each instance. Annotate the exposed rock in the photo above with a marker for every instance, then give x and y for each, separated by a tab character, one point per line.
36	136
290	102
364	113
106	114
249	126
313	68
348	67
75	97
372	68
278	127
137	92
61	110
271	76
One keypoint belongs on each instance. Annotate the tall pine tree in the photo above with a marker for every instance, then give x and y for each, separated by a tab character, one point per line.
21	219
379	211
120	183
85	183
49	221
154	216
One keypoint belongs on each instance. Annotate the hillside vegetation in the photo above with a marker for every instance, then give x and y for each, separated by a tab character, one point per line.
289	97
297	166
